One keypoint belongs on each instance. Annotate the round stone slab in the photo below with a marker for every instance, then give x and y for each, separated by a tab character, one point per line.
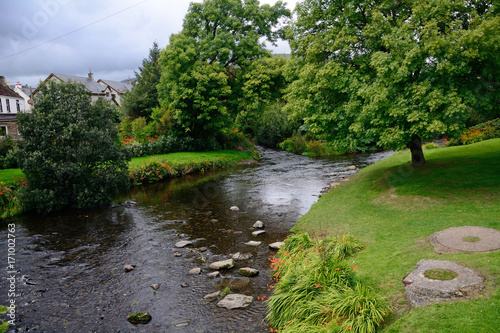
421	290
452	239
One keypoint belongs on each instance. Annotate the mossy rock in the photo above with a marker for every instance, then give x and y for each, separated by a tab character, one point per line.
142	317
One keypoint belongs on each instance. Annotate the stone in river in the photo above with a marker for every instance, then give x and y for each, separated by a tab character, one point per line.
276	245
155	286
235	301
212	296
225	264
258	232
241	256
195	271
213	274
258	225
183	243
139	318
247	271
234	209
253	243
128	268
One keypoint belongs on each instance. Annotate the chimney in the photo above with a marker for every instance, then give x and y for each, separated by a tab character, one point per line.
91	75
128	81
2	80
18	85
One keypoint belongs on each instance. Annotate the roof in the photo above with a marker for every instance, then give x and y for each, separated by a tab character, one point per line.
6	91
120	87
91	85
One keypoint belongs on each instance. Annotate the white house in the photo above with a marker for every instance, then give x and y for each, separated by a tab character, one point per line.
11	104
115	89
25	92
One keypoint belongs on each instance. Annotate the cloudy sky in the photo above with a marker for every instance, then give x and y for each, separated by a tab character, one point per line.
110	37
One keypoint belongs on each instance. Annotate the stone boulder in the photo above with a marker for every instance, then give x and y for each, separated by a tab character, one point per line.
224	264
235	301
247	271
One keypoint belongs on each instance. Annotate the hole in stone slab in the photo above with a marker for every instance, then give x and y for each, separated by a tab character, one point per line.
440	274
471	239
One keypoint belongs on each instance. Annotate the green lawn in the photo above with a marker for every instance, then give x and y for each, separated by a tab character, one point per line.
9	176
393	208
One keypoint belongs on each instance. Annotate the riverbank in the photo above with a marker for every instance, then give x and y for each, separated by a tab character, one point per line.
392	208
141	170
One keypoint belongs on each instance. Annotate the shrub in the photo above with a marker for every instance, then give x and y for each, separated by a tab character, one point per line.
431	145
9	151
318	291
296	144
480	132
71	155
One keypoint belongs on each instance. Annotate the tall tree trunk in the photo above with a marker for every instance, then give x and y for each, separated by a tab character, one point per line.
417	155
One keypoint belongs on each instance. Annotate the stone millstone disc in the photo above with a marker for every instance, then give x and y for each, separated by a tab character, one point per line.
453	238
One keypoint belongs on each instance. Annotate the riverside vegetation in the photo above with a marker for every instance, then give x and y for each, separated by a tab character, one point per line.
392	208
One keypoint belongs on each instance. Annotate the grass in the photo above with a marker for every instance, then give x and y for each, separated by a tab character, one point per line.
9	176
440	274
393	208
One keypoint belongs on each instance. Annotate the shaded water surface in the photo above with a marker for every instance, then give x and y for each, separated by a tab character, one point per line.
69	267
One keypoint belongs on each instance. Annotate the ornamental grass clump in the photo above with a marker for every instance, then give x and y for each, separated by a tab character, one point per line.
317	290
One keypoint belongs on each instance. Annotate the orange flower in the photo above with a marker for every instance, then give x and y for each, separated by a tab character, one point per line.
348	328
337	269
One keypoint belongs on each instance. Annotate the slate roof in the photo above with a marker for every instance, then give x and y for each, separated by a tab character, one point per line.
6	91
120	87
91	85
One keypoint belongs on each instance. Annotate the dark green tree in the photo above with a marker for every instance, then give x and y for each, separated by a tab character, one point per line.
71	155
204	65
394	73
143	98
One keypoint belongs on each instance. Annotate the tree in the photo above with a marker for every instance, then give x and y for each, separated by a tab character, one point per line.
394	73
143	98
71	155
204	65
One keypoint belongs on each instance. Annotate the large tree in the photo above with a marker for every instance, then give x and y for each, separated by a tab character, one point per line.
394	73
143	98
204	65
71	155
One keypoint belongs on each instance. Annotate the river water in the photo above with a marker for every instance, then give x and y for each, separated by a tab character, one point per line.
69	267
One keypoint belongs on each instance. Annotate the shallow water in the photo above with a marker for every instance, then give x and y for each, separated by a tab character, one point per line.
69	266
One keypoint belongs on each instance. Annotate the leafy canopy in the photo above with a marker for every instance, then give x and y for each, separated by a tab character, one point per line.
143	98
204	65
71	156
388	72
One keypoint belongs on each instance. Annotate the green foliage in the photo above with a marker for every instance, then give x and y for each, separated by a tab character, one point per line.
204	66
71	156
296	144
9	150
480	132
386	72
317	291
10	204
4	325
143	98
431	145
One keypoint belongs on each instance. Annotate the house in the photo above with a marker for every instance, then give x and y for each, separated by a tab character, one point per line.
25	92
11	104
107	89
115	89
96	89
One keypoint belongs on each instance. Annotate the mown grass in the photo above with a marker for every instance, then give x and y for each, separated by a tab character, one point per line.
10	176
393	208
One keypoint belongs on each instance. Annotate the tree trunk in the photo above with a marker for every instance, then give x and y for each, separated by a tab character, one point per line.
417	155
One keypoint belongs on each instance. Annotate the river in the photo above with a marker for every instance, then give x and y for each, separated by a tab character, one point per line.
69	266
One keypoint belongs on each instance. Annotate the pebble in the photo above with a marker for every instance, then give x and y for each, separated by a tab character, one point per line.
234	209
184	285
258	232
183	243
253	243
155	286
276	245
128	268
195	271
258	225
177	254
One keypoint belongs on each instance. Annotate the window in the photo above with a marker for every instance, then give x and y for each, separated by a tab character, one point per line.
18	105
1	107
3	130
7	101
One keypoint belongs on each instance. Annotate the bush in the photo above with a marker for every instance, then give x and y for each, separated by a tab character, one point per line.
71	156
317	290
273	126
480	132
296	144
9	151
